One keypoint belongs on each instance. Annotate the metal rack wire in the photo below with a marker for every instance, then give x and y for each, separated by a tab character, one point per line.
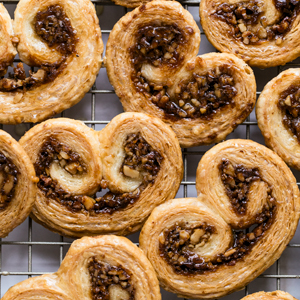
97	95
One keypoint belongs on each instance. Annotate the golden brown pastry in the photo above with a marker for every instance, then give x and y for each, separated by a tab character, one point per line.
104	267
264	33
63	39
136	157
198	246
151	62
277	113
276	295
17	184
131	3
7	49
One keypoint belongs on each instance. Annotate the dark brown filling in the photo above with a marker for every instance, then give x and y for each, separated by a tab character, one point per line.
8	180
290	106
201	96
141	161
106	280
237	181
54	27
178	244
250	25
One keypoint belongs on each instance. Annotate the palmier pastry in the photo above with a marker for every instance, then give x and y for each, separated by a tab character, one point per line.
104	267
7	49
130	3
136	156
17	184
198	246
264	33
278	115
276	295
151	62
63	39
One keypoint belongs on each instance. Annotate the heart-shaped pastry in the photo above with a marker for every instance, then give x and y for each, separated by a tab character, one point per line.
63	39
264	33
278	116
17	184
276	295
104	267
136	157
246	212
151	62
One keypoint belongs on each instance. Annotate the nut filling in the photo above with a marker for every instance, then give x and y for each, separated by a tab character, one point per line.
178	245
110	282
238	182
251	26
8	180
290	106
54	27
141	161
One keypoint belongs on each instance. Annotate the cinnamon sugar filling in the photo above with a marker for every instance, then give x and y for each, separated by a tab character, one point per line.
110	282
141	161
8	180
179	243
289	104
251	26
53	27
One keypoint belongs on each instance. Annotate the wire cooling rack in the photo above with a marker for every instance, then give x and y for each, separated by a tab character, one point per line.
32	250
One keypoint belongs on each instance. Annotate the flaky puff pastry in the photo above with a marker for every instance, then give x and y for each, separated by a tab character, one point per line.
69	54
279	101
264	33
17	183
197	245
276	295
7	49
136	156
151	62
95	267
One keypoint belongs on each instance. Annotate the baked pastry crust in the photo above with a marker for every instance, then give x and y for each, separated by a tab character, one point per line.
77	69
7	49
103	156
130	3
73	280
159	90
270	118
214	264
259	37
17	198
270	296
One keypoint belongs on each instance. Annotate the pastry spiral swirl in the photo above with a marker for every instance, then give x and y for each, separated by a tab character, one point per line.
104	267
63	39
17	184
198	246
263	33
151	62
276	295
277	115
136	156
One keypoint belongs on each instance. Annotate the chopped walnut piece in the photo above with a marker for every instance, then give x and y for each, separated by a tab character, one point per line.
88	202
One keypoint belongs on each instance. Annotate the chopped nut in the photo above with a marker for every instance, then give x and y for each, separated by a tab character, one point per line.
203	110
181	103
168	55
251	236
195	102
278	41
229	252
72	168
64	155
196	236
130	172
88	202
242	27
288	100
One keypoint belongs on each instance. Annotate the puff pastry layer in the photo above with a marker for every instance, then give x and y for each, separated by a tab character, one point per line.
263	33
151	62
104	267
17	184
136	157
63	38
198	246
280	295
277	113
